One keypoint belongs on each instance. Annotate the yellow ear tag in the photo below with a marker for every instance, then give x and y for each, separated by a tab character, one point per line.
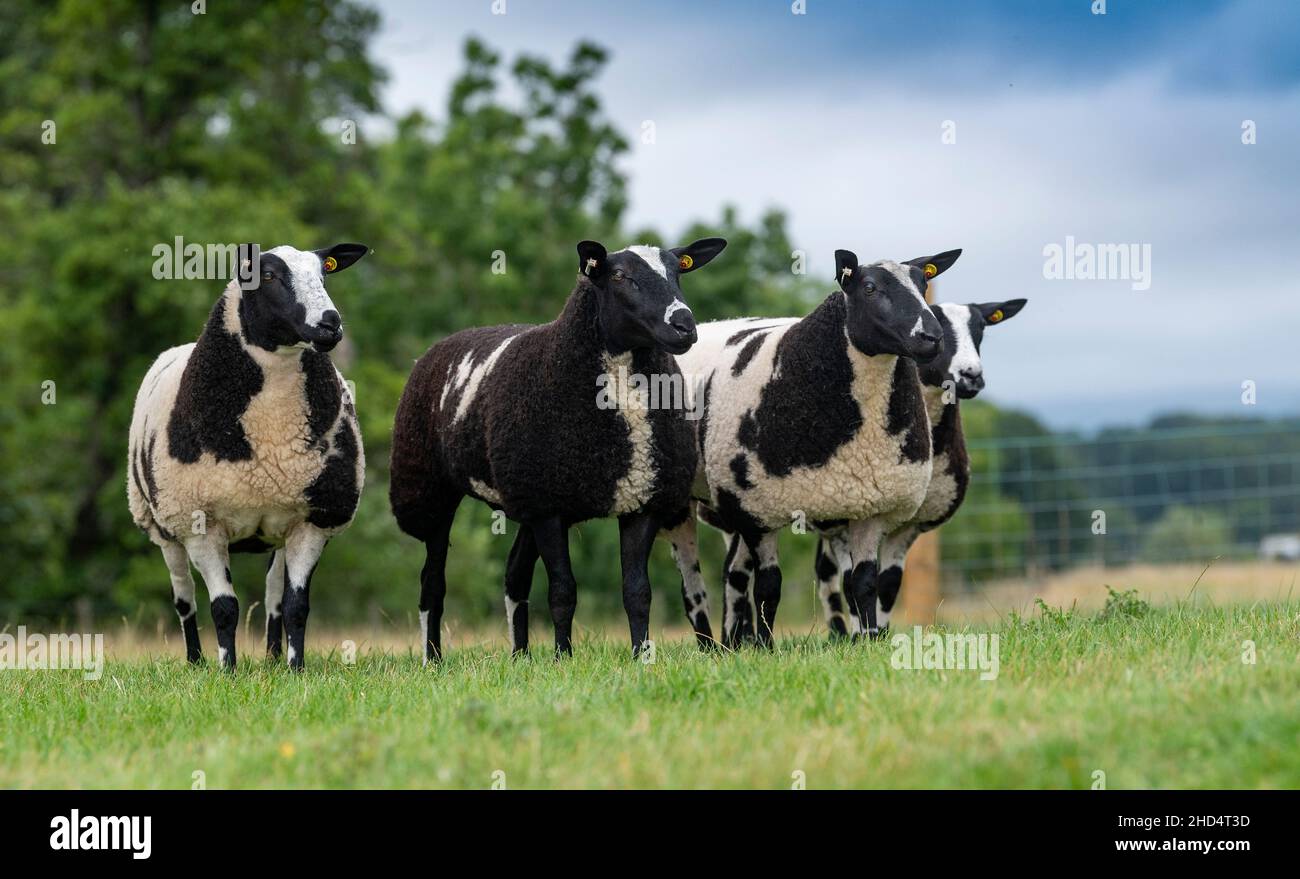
995	316
685	262
931	270
331	264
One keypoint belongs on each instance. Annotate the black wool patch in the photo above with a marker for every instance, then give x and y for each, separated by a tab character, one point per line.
219	381
806	413
323	390
747	353
740	470
907	412
333	497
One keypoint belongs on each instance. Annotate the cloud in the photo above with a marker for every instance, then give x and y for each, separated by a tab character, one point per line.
1111	131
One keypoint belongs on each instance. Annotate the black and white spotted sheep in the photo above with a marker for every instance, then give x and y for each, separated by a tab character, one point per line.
545	423
247	441
817	421
956	374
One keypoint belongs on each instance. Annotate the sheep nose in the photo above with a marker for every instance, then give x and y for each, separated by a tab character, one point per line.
925	346
330	321
683	322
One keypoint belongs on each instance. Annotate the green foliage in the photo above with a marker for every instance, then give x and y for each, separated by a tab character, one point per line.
1124	604
1186	533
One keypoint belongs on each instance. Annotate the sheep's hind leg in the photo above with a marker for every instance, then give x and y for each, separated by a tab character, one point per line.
737	611
767	586
211	556
552	538
433	581
893	558
828	589
519	583
275	578
178	565
636	537
695	595
302	551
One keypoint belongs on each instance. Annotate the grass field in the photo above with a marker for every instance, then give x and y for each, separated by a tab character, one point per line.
1150	697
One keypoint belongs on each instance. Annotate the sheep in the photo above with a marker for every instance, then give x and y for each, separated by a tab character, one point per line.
247	441
816	421
956	374
542	423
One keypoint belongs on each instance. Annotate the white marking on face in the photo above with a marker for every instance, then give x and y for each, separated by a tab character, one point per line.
476	376
904	276
920	324
965	358
675	305
307	280
653	257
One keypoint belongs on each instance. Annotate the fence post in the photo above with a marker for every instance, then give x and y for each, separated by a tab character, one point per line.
920	589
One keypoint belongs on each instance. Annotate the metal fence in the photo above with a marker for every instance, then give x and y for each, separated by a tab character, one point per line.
1041	504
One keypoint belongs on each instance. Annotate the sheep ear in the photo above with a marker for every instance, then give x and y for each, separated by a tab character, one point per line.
997	312
340	256
846	263
592	260
936	265
697	253
248	265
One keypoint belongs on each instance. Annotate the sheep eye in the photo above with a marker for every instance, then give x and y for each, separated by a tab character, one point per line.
619	276
869	287
267	276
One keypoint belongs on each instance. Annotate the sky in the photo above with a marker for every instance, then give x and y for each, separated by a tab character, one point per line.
1004	128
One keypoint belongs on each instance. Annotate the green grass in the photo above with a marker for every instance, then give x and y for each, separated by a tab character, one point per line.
1152	697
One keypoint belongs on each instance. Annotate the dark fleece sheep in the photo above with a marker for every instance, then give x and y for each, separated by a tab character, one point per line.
545	424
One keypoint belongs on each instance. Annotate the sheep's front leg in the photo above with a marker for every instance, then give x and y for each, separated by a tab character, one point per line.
178	566
519	583
864	547
552	538
636	537
767	586
695	595
275	577
211	556
302	551
893	557
737	611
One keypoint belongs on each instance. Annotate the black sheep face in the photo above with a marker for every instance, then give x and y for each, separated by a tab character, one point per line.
289	308
963	331
886	308
641	302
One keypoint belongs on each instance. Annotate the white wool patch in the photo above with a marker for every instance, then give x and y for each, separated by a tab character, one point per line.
966	358
485	491
476	376
634	489
307	281
653	257
903	275
675	306
511	605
